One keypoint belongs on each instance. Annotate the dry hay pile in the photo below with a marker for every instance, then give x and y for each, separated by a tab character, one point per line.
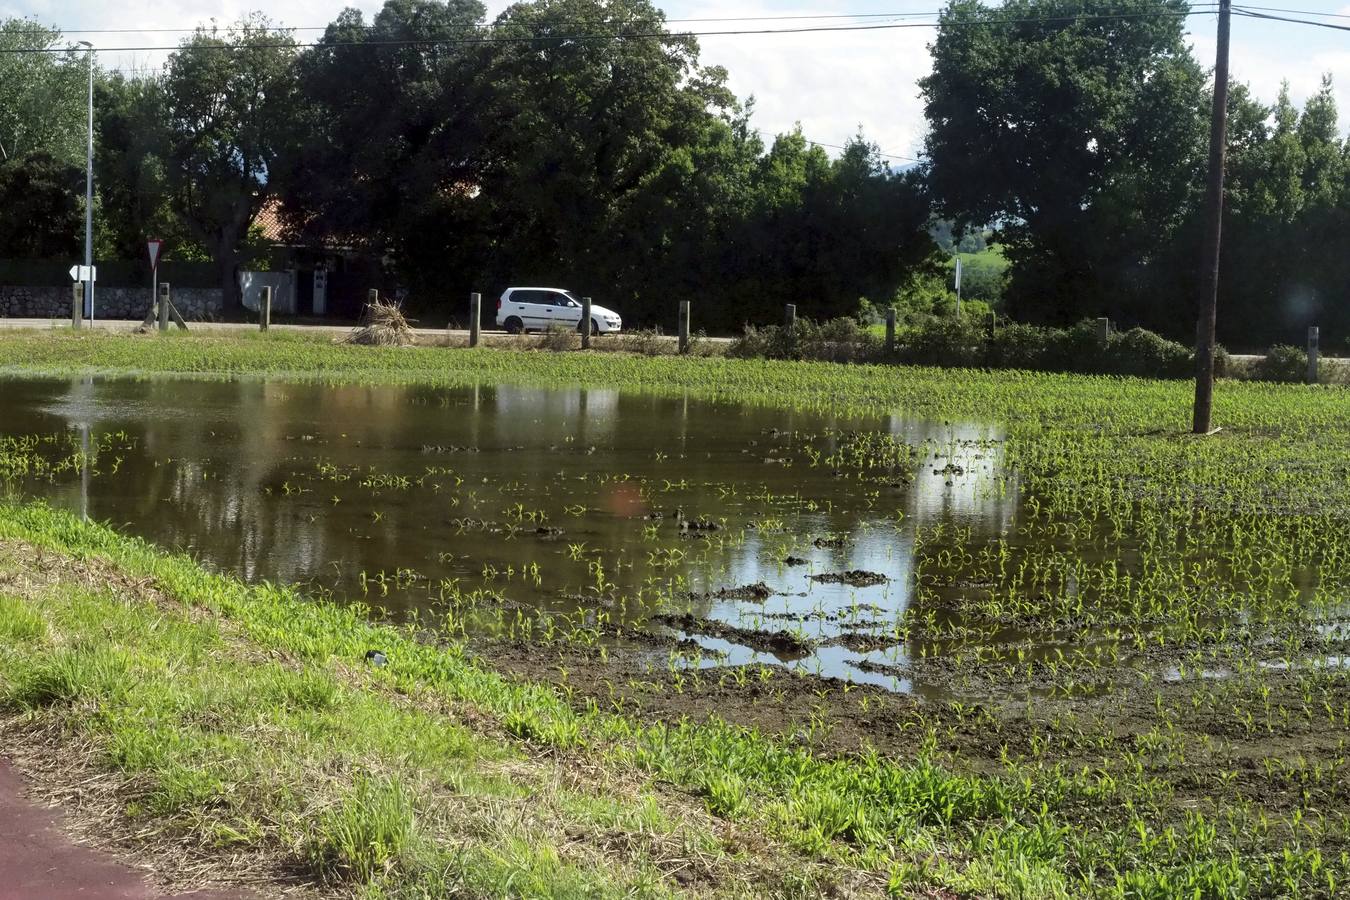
383	324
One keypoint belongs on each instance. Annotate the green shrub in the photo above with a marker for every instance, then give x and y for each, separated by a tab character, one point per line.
1075	349
836	340
1018	346
1283	363
1140	352
946	341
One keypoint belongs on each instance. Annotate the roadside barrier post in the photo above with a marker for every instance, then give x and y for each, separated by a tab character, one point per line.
890	330
77	305
163	306
1312	353
585	323
475	304
265	309
684	326
790	316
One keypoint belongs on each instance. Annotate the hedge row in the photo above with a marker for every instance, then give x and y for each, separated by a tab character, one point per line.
962	342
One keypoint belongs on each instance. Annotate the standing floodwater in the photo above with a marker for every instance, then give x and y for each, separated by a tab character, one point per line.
524	498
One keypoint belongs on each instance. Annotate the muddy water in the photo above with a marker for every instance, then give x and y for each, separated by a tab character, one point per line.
559	500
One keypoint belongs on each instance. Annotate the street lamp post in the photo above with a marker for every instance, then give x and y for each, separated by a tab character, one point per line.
89	192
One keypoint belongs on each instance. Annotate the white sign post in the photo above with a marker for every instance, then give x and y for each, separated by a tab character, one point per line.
958	287
86	275
152	246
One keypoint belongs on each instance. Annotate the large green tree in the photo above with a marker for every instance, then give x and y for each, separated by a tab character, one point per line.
1284	260
230	105
42	199
134	190
390	147
42	142
1077	126
42	94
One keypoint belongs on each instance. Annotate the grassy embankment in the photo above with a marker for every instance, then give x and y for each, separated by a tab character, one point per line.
1206	576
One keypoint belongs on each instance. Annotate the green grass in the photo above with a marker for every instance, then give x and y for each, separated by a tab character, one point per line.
1228	554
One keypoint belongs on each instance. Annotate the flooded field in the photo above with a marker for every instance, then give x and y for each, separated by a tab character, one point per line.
763	536
983	630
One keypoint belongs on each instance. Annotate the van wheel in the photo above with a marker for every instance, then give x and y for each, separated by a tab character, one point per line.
514	326
595	327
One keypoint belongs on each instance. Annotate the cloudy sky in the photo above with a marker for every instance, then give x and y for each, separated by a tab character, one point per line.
833	83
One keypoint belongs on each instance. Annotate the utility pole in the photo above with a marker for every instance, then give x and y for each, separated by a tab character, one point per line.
89	187
1209	273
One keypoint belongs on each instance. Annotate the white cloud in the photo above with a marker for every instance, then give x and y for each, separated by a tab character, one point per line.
832	82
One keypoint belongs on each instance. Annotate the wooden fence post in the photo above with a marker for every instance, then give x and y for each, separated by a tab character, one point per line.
475	309
163	306
890	330
684	326
76	305
1313	339
585	323
790	316
265	309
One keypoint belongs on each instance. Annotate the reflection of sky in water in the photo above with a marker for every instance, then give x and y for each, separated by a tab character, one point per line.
233	472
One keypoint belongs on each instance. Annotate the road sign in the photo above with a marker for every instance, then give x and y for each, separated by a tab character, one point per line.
153	246
84	273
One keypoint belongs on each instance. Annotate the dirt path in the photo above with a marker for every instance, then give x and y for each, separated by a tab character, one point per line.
39	862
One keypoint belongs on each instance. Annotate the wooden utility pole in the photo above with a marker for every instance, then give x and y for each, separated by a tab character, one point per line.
1209	273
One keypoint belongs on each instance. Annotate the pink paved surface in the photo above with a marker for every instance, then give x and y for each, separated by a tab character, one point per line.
38	862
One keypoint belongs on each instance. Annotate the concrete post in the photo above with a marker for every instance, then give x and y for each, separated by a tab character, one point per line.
585	324
890	329
790	316
265	309
475	310
684	326
163	306
77	305
1313	339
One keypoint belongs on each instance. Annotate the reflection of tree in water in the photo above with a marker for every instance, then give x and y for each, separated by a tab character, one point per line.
213	460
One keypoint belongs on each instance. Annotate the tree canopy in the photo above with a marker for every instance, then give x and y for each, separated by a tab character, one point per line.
1067	135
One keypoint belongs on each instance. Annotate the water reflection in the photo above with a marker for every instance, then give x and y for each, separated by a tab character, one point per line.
396	494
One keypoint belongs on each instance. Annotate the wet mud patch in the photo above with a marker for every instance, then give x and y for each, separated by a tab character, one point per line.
852	578
779	643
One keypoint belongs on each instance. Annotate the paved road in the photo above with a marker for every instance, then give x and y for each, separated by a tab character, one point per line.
492	335
39	862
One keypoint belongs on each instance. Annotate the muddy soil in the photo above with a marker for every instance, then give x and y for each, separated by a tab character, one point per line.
1199	756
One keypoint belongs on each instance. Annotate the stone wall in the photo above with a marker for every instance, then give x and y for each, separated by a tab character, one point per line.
194	304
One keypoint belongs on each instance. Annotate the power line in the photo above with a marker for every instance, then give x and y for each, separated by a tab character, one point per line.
657	35
373	26
508	24
1298	12
1247	12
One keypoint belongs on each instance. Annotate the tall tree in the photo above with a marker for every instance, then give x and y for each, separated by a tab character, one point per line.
391	124
43	202
131	167
1077	126
42	94
230	104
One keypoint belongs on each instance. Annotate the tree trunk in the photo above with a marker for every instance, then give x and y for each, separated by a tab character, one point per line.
232	298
